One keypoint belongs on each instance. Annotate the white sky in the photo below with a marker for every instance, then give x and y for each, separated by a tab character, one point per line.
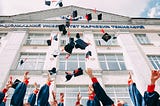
131	8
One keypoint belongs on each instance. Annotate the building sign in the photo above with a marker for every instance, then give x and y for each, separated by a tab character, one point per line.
20	25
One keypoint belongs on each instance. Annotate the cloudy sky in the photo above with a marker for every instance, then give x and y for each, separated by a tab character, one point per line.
131	8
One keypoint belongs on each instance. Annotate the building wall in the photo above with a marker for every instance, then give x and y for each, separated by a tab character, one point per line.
135	56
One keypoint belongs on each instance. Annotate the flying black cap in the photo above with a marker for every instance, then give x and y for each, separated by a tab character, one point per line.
48	3
77	35
61	27
100	16
89	17
106	37
68	76
52	71
78	72
74	14
49	42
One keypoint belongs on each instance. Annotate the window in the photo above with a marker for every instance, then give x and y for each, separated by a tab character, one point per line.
111	62
70	94
118	92
100	42
65	39
142	38
37	38
75	61
29	90
155	60
32	61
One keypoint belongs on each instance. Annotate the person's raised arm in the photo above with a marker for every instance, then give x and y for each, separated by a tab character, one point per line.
99	91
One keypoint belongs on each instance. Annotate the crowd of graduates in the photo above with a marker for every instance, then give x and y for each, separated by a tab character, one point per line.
96	94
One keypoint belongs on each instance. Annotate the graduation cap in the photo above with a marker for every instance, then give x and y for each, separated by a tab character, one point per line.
21	62
64	32
56	53
69	47
89	17
52	71
61	27
55	38
89	53
106	37
77	35
74	14
48	3
49	42
68	76
78	72
59	3
67	23
81	44
15	83
100	16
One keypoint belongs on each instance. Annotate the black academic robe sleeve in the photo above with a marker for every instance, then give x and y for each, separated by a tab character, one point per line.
135	95
2	95
3	104
151	99
43	96
32	99
101	95
18	95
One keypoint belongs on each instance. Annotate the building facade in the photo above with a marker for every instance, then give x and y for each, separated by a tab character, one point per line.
134	47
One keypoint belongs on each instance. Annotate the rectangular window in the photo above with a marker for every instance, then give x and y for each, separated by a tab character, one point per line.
155	61
37	38
118	92
75	61
29	90
70	94
142	38
31	61
111	62
100	42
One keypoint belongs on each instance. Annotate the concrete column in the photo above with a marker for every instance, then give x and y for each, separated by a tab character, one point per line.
92	62
137	60
8	54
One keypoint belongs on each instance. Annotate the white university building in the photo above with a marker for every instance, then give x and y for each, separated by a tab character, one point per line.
134	47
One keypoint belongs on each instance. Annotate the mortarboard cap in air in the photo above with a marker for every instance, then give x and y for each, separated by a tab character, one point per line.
65	32
68	76
69	47
15	83
74	14
77	35
60	4
55	37
99	16
21	62
106	37
89	53
67	23
48	3
78	72
61	27
52	71
81	44
89	17
49	42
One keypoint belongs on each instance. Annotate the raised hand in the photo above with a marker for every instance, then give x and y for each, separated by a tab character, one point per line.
155	75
